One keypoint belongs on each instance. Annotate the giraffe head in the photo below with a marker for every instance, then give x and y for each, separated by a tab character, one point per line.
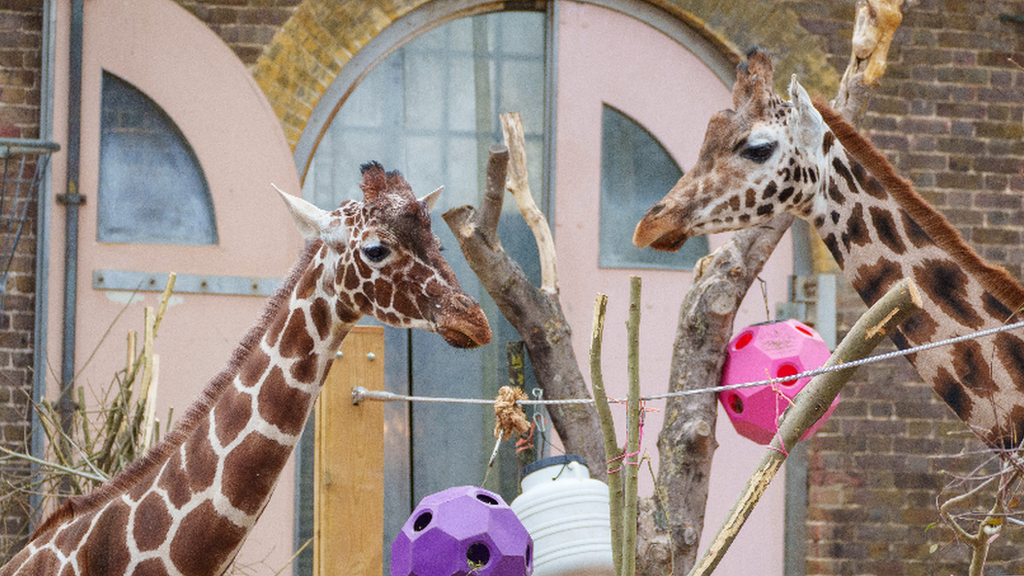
756	161
380	259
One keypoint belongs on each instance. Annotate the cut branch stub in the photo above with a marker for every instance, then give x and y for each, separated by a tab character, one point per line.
494	195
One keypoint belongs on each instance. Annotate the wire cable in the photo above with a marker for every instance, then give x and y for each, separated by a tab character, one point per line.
360	393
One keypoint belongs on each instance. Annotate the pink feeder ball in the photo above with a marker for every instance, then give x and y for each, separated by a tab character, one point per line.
461	531
776	350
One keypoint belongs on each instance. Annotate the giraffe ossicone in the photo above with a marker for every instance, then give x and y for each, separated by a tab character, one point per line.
188	504
768	156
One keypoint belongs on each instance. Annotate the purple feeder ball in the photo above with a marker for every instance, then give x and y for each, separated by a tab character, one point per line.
777	350
462	531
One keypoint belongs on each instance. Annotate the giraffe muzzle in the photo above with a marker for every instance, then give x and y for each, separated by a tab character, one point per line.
659	230
462	323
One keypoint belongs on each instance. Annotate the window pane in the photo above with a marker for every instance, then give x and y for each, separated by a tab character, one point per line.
636	172
151	187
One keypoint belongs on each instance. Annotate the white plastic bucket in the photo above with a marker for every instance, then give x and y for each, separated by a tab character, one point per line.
566	513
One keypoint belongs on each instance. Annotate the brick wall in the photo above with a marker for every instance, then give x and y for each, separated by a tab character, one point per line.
949	116
20	57
246	26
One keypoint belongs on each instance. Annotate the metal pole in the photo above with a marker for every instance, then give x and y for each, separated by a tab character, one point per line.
39	362
72	199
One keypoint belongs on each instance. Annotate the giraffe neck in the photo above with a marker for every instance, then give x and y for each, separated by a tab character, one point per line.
191	501
880	231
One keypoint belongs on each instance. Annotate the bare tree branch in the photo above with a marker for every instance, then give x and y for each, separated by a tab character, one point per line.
687	443
519	186
874	27
535	314
613	453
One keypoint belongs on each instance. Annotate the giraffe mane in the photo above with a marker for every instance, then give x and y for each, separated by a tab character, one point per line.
159	453
995	279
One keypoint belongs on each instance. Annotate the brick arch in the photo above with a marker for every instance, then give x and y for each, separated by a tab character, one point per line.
325	39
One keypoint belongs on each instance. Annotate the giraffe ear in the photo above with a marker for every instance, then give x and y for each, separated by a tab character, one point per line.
308	218
430	200
810	126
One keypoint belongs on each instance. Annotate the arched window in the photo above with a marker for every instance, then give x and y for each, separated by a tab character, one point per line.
636	171
151	187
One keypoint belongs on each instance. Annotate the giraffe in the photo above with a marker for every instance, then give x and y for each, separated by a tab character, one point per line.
768	156
188	504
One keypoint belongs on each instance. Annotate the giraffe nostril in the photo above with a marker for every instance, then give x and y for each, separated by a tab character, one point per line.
656	209
464	303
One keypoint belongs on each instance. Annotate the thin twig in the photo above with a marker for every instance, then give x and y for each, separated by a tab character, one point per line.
611	444
989	528
51	465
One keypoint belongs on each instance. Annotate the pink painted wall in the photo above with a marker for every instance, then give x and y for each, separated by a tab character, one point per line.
179	63
607	57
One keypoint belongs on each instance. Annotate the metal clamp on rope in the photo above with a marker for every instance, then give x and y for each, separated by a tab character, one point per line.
359	394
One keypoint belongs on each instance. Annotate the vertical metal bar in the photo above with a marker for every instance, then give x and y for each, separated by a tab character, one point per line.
40	335
801	236
73	198
825	312
795	519
482	93
550	110
303	502
794	553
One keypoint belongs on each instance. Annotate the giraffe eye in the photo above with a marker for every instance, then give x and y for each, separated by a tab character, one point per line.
376	253
759	153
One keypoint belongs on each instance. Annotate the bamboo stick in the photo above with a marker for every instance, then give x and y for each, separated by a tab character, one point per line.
165	299
150	406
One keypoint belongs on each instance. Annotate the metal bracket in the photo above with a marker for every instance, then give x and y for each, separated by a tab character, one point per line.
70	199
184	283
